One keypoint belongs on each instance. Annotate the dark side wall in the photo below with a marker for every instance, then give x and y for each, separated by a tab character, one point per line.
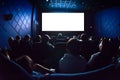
108	22
15	19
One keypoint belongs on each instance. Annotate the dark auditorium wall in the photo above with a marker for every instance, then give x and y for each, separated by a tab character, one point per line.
108	22
15	19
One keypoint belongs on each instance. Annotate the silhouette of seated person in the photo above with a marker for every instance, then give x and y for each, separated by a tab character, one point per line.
74	36
36	56
107	52
60	37
11	43
17	51
26	45
87	46
45	51
38	39
92	46
12	47
72	61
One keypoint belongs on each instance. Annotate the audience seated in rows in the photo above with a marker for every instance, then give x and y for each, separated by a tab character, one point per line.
73	61
20	46
40	51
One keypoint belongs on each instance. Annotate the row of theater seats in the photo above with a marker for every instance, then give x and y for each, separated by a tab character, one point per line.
16	72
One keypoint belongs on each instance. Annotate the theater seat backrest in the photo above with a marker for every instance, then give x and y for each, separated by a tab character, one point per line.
9	70
98	74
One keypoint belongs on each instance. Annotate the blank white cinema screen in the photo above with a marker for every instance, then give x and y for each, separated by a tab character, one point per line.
62	21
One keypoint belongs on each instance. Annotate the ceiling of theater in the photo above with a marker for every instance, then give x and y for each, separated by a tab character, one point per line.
80	5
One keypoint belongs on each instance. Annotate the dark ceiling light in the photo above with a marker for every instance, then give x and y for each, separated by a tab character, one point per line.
69	4
47	0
